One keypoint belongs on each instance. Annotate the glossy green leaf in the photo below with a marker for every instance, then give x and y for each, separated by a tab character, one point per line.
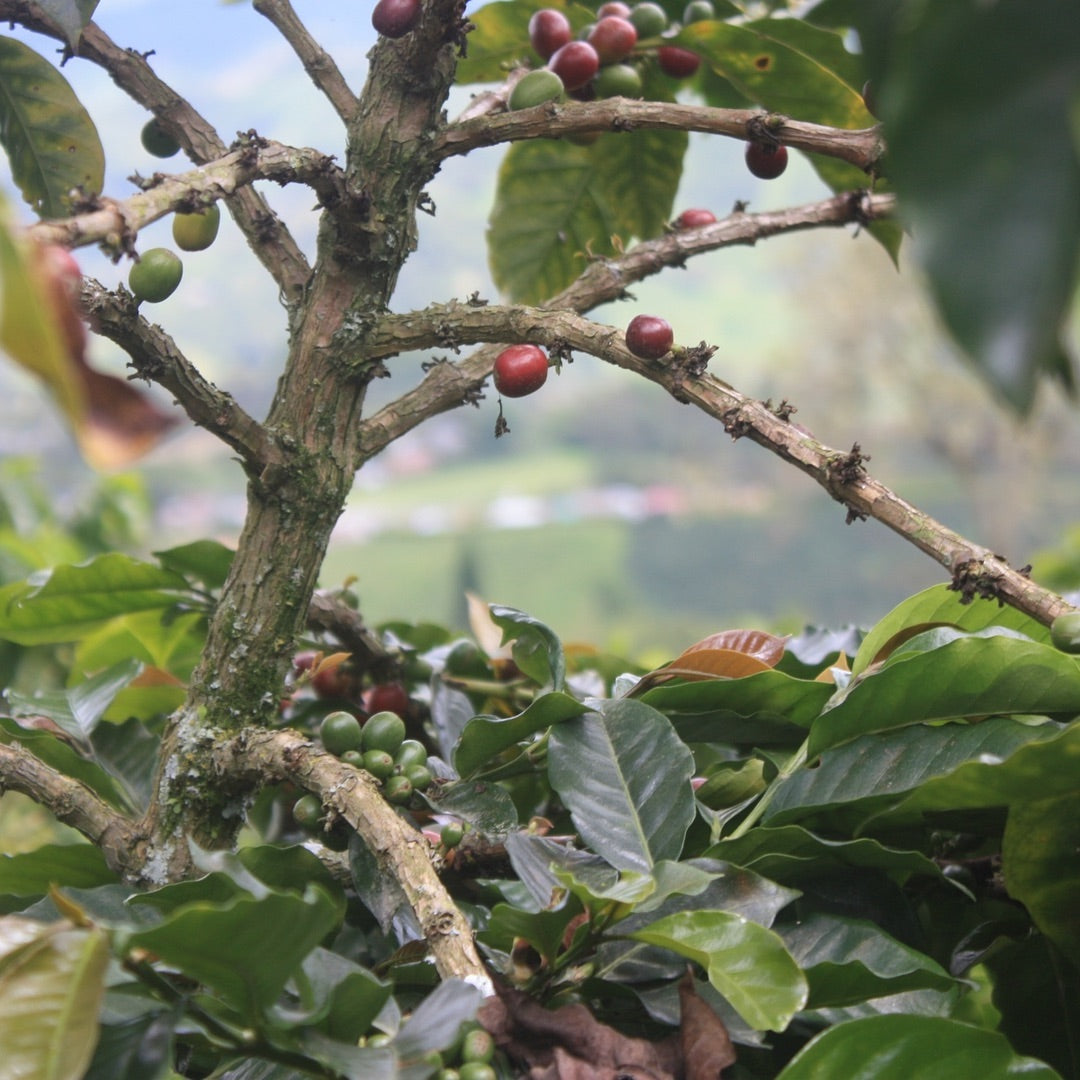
906	772
558	205
224	945
911	1048
51	993
536	649
207	561
34	872
68	602
543	930
141	1048
848	961
748	964
49	138
79	709
630	815
786	66
789	852
486	736
995	202
345	997
435	1023
1041	862
966	677
488	808
537	861
941	605
769	708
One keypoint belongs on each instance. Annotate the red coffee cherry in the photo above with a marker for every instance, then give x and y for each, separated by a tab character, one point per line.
549	31
676	62
613	38
766	160
395	18
575	63
649	336
692	219
520	370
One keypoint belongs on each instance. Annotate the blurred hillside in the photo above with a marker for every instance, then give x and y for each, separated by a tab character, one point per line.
610	511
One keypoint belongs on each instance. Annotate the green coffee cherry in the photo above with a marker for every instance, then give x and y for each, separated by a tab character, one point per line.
478	1046
410	752
419	776
157	141
534	89
306	812
196	232
156	275
1065	632
384	731
398	790
379	763
340	731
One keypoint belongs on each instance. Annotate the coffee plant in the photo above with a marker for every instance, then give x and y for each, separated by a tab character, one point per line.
283	842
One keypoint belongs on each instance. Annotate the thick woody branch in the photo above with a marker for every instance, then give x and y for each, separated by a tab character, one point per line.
155	356
318	63
114	222
258	757
266	233
71	803
862	148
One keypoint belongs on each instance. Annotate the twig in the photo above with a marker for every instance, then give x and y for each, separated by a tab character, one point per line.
155	356
114	222
318	63
72	803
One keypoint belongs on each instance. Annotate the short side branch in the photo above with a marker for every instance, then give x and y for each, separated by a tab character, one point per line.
257	757
71	803
155	356
318	63
114	222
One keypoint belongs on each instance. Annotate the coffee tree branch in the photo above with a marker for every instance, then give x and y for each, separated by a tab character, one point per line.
257	756
318	63
862	148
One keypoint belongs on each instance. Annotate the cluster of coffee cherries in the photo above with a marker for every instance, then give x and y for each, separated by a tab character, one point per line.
157	272
472	1056
604	60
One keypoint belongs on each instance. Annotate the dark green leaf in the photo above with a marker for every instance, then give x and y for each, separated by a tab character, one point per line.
204	560
345	997
224	945
137	1049
848	961
486	736
128	753
911	770
50	140
994	200
769	708
624	775
436	1021
745	962
535	860
967	677
543	930
380	893
66	603
488	808
911	1048
1041	862
33	872
536	649
790	852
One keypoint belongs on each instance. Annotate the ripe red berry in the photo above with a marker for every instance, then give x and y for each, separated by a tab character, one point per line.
395	18
691	219
613	38
766	160
387	697
676	62
649	336
613	8
549	31
575	63
520	370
